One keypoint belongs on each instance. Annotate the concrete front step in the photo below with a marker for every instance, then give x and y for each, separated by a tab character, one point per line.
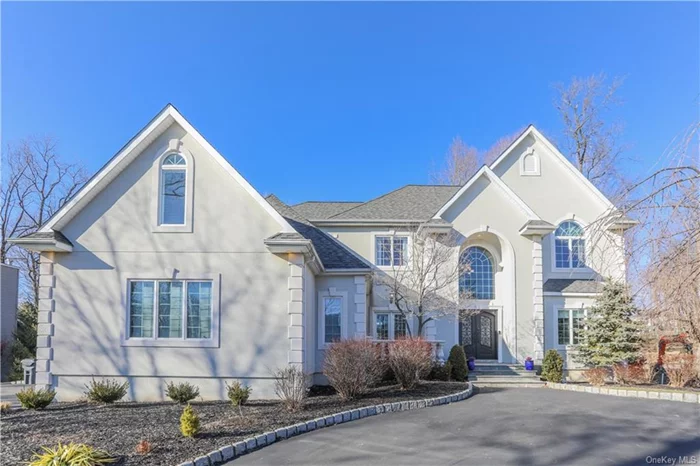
522	373
479	380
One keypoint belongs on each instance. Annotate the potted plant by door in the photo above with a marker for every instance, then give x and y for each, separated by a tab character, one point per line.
471	363
529	364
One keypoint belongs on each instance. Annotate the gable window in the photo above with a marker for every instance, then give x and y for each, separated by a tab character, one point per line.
569	246
332	319
477	280
569	325
173	189
170	309
391	251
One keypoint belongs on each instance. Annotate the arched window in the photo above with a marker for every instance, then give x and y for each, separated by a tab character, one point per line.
569	246
477	280
173	184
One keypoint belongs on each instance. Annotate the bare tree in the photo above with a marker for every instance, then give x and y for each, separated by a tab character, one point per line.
462	161
425	284
591	142
37	185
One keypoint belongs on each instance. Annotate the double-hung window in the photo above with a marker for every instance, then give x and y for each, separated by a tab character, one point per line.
391	251
170	309
389	326
569	325
332	322
569	246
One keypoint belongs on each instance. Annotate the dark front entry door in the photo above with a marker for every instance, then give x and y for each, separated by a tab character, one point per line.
478	335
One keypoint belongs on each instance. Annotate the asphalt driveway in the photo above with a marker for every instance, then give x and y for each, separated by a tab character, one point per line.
535	426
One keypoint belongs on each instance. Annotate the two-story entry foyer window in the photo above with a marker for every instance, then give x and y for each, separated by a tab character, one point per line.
173	184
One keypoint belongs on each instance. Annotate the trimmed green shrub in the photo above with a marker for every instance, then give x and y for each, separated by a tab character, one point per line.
181	392
553	366
30	398
237	393
440	371
106	391
189	422
73	454
458	361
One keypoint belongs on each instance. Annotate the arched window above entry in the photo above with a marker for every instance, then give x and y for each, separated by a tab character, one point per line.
477	280
173	190
569	246
530	163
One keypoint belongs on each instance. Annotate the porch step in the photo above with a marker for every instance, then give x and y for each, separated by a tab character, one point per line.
505	372
497	374
489	380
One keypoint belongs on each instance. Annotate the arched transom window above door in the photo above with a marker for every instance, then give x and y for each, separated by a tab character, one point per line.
476	280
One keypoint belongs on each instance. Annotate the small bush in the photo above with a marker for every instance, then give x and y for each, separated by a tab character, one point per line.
72	454
106	391
553	367
411	360
680	369
353	366
458	361
624	373
144	447
291	386
597	375
238	394
5	407
181	392
440	371
31	398
189	422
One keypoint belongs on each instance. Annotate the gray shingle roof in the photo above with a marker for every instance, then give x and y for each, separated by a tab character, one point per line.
411	202
53	235
317	210
332	254
567	285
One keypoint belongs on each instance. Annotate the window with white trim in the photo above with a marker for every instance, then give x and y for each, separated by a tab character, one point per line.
332	309
569	325
389	326
569	246
173	190
170	309
391	251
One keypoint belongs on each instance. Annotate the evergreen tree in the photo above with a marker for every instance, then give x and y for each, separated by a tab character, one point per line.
611	334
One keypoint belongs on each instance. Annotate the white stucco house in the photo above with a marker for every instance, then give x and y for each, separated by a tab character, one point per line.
168	266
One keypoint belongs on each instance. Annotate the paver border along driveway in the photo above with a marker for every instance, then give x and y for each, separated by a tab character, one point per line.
523	426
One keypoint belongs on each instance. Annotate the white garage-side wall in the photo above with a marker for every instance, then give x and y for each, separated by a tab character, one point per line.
114	240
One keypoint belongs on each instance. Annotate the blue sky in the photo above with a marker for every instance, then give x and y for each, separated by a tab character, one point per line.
339	100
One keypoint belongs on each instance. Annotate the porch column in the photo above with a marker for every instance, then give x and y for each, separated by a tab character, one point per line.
45	329
359	313
537	299
295	309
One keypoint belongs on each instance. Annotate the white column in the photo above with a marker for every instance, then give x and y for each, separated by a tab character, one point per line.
295	309
360	309
537	299
45	328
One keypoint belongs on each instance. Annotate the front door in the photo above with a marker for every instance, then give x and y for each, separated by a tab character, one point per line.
478	335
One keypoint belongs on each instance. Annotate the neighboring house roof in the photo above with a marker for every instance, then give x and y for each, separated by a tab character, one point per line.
570	285
131	150
319	210
411	202
332	254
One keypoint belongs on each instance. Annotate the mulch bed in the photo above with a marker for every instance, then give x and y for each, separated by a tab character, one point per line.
118	428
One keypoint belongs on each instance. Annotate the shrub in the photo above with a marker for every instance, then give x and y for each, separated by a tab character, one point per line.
72	454
106	391
553	366
144	447
625	373
458	361
440	371
291	387
181	392
189	422
31	398
680	369
411	360
353	366
597	375
238	394
5	407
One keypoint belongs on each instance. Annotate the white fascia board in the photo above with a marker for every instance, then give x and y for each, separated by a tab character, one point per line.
531	130
304	247
42	245
486	171
95	184
347	272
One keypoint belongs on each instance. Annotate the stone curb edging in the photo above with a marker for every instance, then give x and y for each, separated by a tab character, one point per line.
643	394
231	452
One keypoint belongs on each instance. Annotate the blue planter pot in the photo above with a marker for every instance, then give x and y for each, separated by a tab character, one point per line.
471	365
529	365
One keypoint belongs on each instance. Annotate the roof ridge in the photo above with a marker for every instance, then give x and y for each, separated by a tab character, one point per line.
371	200
328	202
